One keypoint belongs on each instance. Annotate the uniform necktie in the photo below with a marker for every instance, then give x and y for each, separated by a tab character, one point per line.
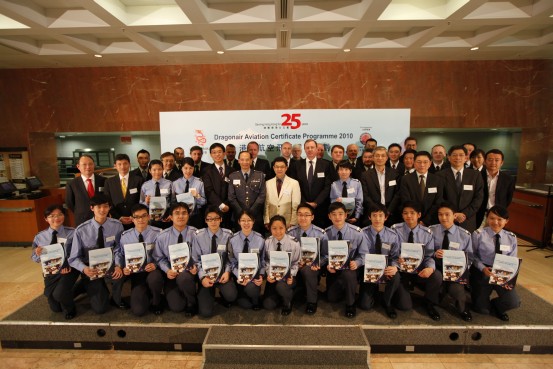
246	245
458	181
340	236
422	186
158	191
213	244
180	240
54	239
279	246
123	187
378	244
279	186
140	237
89	188
187	187
304	234
497	244
221	173
344	189
445	242
437	168
246	177
100	240
411	238
310	172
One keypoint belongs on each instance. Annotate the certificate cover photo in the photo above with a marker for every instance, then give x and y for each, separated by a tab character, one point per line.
188	199
211	264
454	264
52	259
135	256
279	264
179	256
412	254
248	264
158	206
374	268
310	249
505	270
101	260
338	254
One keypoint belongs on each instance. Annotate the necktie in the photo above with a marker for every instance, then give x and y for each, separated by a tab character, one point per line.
344	189
279	246
158	192
310	172
100	240
497	244
445	242
458	182
422	186
213	244
437	168
279	186
89	188
393	166
378	244
54	237
196	170
124	187
339	236
246	177
179	240
187	187
221	173
304	234
144	174
140	237
410	239
166	175
246	245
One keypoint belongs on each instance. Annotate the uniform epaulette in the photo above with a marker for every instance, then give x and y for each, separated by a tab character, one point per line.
227	231
367	227
166	230
236	233
511	233
328	229
464	230
355	180
127	231
270	237
155	229
198	231
257	233
479	230
292	228
84	224
356	228
318	228
397	225
193	229
69	228
433	226
293	238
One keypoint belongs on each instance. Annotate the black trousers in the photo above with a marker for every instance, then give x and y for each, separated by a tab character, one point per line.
342	284
368	292
206	296
481	291
181	291
309	279
249	295
58	289
145	286
274	292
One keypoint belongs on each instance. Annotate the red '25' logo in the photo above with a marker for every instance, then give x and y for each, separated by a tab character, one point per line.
291	120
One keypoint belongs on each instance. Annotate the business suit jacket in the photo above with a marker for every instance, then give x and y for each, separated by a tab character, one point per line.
433	195
248	195
235	164
504	191
284	204
400	167
216	188
138	172
204	166
432	169
121	206
174	174
371	191
77	200
263	166
468	201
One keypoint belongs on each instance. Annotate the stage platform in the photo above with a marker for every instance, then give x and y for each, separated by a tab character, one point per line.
243	336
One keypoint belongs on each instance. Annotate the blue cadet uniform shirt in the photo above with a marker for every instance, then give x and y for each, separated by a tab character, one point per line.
43	238
421	234
256	243
457	235
170	236
202	246
193	182
149	189
313	231
390	243
483	241
359	245
354	191
149	234
288	244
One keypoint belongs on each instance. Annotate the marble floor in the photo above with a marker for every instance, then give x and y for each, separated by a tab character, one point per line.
21	281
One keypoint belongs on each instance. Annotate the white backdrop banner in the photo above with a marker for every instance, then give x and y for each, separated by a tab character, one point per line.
271	128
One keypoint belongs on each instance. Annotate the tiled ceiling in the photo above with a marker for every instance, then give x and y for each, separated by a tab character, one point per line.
79	33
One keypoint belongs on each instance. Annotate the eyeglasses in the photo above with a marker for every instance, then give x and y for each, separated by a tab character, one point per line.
140	216
246	221
216	219
54	216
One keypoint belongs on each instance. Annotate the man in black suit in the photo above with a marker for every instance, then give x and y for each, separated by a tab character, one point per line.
80	189
179	157
169	171
143	158
380	186
423	187
394	158
230	157
463	187
259	164
315	178
352	150
499	187
216	181
123	191
337	155
200	167
438	159
363	165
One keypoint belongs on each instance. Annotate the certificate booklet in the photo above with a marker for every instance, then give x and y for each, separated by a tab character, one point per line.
211	264
188	199
338	254
100	260
158	205
248	264
412	255
454	265
310	249
279	264
179	256
149	247
374	268
52	259
349	203
505	270
135	257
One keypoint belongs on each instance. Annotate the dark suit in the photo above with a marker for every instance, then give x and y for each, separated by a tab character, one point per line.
371	193
263	166
319	191
248	195
121	206
445	165
433	195
504	191
174	174
400	167
138	172
77	200
359	170
467	201
216	190
235	164
203	167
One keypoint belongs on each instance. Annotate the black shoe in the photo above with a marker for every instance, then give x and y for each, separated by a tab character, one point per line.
311	308
350	311
226	304
190	311
432	313
157	309
70	315
256	307
391	312
501	316
466	316
286	310
122	305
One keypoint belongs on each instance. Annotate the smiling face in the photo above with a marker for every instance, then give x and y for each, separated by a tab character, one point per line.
156	171
143	160
496	222
337	154
278	230
86	166
140	219
101	212
446	218
457	158
410	217
338	218
55	219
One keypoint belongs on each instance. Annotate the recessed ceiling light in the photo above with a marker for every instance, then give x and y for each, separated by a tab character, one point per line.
97	55
220	52
474	48
493	129
347	50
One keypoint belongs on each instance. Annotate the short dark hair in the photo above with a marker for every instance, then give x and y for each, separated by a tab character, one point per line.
344	164
470	143
409	151
410	138
423	153
477	152
447	205
247	213
50	209
214	209
457	147
253	142
337	146
280	159
368	150
500	211
188	161
179	205
142	151
85	156
99	199
306	206
120	157
166	154
154	162
216	145
495	151
416	206
137	207
277	218
394	145
231	145
336	206
377	208
196	148
372	139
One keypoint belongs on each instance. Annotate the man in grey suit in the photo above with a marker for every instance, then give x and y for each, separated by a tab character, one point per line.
79	190
246	191
463	187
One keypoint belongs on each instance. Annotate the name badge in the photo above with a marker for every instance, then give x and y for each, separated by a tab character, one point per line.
100	189
236	182
150	246
386	246
454	245
221	247
392	183
351	190
467	188
432	190
133	191
320	175
164	191
227	179
62	240
254	251
110	238
286	192
504	248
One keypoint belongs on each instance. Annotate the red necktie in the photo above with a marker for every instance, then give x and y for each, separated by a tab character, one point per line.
90	188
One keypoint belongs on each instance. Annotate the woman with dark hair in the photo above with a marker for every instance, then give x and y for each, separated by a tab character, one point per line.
157	187
195	187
